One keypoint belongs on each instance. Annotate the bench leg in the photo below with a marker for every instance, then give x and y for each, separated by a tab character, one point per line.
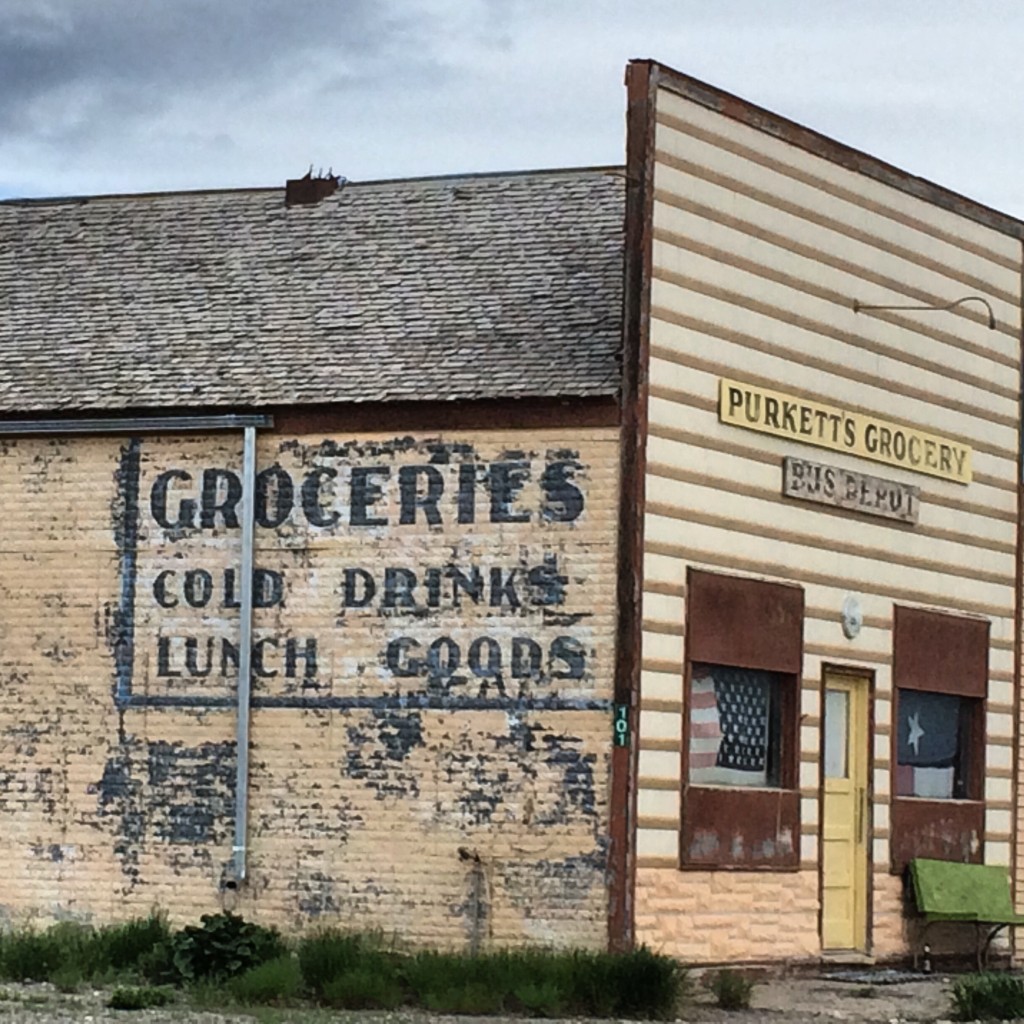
922	945
983	948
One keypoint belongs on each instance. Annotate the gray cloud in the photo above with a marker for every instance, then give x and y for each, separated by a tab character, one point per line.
129	55
130	95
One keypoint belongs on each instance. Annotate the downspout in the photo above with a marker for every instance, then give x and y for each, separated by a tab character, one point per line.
239	865
138	425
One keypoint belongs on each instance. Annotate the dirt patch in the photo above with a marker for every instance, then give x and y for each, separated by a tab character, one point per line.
785	1001
857	1001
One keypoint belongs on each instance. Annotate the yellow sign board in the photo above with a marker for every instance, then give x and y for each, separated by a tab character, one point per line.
828	426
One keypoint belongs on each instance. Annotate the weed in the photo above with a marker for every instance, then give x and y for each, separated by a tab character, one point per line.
208	995
988	997
67	978
867	992
275	981
227	960
222	946
732	990
141	998
644	983
157	965
35	956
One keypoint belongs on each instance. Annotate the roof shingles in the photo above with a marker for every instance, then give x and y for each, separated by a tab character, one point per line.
468	288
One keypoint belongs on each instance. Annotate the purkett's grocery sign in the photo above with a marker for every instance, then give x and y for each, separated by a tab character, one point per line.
828	426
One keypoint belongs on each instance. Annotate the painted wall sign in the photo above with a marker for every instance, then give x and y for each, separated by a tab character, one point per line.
828	426
843	488
443	571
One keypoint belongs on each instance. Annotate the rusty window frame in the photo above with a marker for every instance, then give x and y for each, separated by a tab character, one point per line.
939	652
748	623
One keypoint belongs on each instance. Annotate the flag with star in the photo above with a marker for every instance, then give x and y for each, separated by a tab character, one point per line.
928	743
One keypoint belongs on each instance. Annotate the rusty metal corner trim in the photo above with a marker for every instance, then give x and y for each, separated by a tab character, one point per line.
640	89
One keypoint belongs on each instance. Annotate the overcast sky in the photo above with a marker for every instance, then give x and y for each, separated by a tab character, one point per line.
135	95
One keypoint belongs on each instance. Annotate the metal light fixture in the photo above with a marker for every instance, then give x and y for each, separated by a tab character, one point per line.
859	307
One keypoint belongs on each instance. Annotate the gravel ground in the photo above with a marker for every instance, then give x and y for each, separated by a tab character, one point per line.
789	1001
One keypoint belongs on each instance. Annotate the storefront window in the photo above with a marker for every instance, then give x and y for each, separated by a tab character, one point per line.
940	675
744	648
933	749
735	737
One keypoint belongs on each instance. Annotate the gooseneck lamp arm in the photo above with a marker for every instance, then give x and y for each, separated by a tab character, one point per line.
859	307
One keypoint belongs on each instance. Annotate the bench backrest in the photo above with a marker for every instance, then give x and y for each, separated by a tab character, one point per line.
969	892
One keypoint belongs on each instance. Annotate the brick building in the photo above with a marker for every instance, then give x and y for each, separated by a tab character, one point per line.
427	370
580	557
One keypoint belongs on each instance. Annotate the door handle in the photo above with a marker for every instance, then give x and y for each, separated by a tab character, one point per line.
862	812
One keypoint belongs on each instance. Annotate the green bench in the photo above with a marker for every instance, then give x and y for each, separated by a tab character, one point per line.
977	893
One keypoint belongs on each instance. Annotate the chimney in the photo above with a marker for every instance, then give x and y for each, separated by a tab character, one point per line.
308	190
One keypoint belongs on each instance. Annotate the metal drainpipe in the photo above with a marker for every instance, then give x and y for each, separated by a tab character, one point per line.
97	425
240	848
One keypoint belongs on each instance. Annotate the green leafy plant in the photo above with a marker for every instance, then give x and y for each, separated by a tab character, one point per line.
141	998
732	990
222	946
988	996
276	981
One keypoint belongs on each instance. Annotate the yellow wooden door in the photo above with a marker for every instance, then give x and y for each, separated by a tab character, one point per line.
846	814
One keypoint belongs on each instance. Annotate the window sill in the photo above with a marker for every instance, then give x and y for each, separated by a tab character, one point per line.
742	829
941	829
938	801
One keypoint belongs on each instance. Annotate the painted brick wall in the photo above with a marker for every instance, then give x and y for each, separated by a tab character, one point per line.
433	651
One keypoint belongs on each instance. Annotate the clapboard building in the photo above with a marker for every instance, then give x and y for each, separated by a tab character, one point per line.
828	449
583	557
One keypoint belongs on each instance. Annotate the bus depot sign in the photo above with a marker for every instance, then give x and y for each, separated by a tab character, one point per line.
843	488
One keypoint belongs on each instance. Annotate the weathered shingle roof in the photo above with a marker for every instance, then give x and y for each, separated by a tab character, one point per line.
458	288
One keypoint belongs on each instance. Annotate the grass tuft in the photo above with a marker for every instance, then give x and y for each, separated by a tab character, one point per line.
732	990
70	954
544	999
140	998
328	954
226	960
988	996
275	982
365	987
